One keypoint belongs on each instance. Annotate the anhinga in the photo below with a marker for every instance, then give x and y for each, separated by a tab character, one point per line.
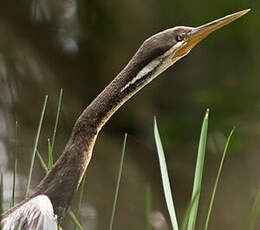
53	195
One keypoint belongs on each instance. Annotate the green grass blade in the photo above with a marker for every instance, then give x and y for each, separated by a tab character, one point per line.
165	178
148	206
14	183
118	183
217	179
255	212
185	221
199	171
15	162
43	164
81	192
36	144
74	219
50	161
1	197
56	121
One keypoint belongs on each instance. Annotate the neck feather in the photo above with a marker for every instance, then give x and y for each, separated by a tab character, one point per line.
64	178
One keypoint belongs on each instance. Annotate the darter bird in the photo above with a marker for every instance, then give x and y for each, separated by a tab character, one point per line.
48	203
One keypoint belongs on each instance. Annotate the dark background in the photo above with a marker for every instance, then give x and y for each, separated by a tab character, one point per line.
80	46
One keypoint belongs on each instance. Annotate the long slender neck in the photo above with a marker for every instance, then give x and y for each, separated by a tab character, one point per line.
64	178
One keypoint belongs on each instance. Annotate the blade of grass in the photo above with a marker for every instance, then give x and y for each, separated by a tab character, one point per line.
255	212
165	178
217	178
81	193
118	183
15	162
198	171
1	197
50	161
56	121
36	144
43	164
187	212
74	219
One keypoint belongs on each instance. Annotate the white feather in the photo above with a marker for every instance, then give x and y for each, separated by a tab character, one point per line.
36	214
161	63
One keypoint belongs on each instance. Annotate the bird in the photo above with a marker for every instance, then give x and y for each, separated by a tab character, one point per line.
49	201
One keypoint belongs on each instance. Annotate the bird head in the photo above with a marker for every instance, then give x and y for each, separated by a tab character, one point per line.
163	49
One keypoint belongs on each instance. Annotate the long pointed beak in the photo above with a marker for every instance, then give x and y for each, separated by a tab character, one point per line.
199	33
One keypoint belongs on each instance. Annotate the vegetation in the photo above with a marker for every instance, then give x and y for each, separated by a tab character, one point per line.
189	220
190	217
221	73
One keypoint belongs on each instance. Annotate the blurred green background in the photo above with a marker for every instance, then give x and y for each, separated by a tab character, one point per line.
80	46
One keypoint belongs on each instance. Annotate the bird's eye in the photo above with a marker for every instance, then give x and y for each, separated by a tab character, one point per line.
179	37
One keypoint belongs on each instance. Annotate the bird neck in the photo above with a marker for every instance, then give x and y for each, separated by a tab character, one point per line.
65	176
